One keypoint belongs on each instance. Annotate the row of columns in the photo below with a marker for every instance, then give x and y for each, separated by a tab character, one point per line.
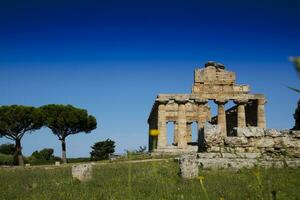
182	128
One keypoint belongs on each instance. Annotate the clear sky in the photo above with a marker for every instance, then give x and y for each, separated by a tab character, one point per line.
113	57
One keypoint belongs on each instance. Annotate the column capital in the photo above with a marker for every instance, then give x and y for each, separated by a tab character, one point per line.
163	101
261	101
181	101
201	101
241	101
221	101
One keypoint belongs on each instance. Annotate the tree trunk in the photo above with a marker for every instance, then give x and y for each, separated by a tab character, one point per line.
63	151
19	152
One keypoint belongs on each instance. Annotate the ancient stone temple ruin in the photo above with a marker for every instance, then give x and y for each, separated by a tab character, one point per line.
211	83
236	137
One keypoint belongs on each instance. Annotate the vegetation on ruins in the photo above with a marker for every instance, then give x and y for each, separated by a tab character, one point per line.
65	120
297	117
15	121
151	180
296	61
102	149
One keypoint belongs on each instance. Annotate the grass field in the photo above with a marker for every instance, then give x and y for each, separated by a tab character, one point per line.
152	180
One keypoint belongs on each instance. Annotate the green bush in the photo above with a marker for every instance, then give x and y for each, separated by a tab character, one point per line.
102	149
6	159
78	160
297	117
44	154
8	149
35	161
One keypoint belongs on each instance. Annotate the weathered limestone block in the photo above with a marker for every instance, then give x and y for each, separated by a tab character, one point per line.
293	152
286	142
229	155
295	134
273	133
265	142
248	155
250	132
209	155
224	163
188	166
236	141
212	135
82	172
214	149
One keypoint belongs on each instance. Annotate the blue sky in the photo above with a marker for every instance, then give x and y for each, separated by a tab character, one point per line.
113	57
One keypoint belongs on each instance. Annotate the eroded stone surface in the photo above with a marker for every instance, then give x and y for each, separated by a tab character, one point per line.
188	166
82	172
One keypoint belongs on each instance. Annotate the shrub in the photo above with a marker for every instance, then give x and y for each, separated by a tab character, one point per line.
297	117
78	160
6	159
44	154
8	149
102	149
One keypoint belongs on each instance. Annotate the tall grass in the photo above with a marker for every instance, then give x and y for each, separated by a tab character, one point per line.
153	180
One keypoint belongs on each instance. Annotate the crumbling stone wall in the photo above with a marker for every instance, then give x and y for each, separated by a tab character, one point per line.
266	142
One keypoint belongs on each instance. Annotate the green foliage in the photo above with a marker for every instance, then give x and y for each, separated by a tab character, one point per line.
102	149
8	149
16	120
78	160
66	120
44	154
139	154
6	159
296	61
297	117
151	180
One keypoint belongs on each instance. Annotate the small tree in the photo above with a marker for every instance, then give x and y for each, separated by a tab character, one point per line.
8	149
296	61
65	120
44	154
297	117
17	120
102	149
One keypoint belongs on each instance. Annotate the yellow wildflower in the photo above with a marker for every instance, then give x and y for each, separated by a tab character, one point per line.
154	132
201	178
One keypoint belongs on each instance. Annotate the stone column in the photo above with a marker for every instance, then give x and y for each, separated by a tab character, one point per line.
241	114
200	123
261	118
222	116
162	126
182	140
175	142
189	132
